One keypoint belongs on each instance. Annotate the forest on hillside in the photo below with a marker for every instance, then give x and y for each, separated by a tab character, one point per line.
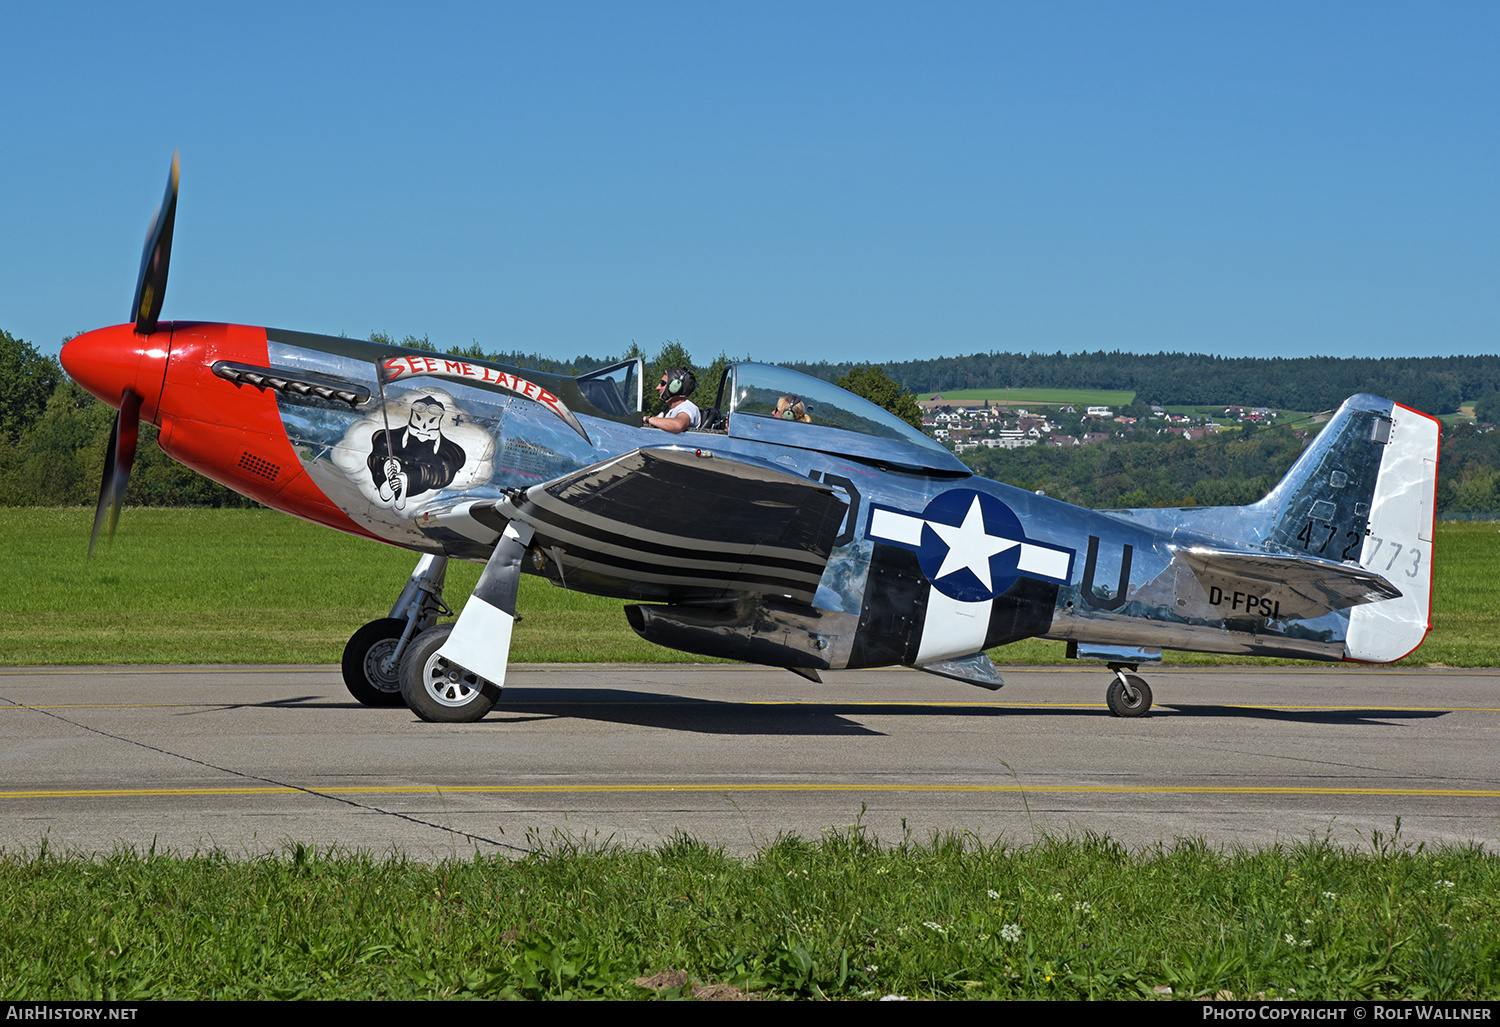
1436	385
53	434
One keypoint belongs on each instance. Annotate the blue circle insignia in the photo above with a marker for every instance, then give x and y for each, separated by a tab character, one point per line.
971	545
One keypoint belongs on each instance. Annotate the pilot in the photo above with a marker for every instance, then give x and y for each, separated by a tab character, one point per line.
417	458
676	385
791	408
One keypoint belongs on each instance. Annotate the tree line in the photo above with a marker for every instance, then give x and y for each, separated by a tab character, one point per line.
53	438
53	435
1435	385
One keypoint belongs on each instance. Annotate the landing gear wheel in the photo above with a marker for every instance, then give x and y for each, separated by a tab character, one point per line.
439	691
370	670
1120	702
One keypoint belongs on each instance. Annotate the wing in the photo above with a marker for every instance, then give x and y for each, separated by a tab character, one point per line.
679	525
1304	587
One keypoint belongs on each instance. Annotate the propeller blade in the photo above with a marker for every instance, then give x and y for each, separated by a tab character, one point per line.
118	459
151	286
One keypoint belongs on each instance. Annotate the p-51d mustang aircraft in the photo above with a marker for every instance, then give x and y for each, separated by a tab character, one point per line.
837	538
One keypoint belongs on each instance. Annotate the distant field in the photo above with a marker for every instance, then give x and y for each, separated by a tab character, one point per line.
1212	410
256	586
1056	397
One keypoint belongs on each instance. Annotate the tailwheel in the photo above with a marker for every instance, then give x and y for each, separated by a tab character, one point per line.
438	690
370	666
1128	695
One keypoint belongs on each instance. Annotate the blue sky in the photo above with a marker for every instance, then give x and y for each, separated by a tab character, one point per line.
829	181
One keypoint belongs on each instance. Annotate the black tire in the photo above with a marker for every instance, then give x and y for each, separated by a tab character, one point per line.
369	673
436	694
1119	700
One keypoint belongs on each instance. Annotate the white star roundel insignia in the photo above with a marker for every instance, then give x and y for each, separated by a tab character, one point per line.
970	545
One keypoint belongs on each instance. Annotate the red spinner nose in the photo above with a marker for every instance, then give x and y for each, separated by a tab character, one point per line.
108	361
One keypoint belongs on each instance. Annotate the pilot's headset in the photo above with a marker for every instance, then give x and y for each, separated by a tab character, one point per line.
791	408
680	382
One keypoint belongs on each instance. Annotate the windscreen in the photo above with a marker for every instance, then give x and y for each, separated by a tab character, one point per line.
764	390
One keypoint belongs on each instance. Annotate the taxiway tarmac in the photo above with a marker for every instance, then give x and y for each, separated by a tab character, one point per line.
254	759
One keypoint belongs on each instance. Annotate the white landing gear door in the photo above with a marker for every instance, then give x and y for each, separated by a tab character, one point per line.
480	642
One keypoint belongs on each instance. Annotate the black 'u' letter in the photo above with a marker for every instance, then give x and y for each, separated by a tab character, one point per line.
1118	600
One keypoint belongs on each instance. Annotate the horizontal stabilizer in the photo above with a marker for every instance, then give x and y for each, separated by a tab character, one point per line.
1280	585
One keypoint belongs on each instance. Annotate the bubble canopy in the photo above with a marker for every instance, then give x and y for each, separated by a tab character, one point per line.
776	404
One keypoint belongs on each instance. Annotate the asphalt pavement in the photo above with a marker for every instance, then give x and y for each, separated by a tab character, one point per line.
250	759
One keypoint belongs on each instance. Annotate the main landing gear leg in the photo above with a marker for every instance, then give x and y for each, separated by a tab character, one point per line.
372	659
454	673
1128	694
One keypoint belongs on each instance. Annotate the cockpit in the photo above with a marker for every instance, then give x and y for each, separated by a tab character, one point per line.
778	405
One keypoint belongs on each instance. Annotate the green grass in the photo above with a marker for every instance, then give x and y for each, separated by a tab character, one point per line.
1466	602
255	586
247	586
1078	398
838	918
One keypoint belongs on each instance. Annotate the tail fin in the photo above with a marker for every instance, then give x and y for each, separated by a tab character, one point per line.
1364	492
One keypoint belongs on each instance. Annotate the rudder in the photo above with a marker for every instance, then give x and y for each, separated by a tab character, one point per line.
1398	543
1364	492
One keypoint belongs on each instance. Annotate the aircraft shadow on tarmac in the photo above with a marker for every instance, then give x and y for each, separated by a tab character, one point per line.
680	713
298	702
713	716
645	709
675	712
1375	716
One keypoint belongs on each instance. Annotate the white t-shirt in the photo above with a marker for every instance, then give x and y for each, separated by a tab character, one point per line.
688	407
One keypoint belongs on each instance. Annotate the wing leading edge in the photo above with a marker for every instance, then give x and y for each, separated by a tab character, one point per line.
676	525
